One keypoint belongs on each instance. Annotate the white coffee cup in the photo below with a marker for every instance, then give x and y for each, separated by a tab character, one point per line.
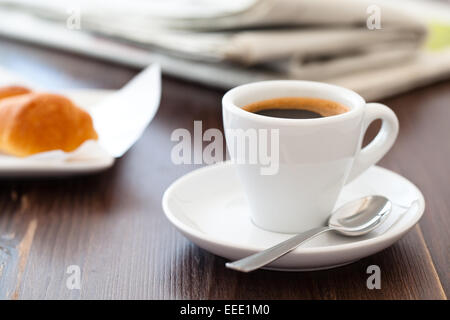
316	157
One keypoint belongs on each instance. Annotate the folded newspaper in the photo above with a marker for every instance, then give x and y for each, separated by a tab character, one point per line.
374	47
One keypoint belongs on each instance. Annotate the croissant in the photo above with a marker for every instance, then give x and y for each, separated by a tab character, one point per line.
11	91
37	122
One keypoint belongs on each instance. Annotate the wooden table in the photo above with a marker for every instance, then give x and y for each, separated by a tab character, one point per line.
113	227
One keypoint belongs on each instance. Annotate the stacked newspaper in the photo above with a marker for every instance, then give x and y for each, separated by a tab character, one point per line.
373	47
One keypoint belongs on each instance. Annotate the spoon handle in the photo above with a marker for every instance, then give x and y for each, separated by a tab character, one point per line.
260	259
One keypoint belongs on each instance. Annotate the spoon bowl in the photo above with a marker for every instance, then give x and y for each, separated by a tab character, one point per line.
360	216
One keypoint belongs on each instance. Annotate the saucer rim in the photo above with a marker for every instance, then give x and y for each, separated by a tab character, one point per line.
204	237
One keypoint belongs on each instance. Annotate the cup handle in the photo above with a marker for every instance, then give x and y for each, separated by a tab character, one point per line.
381	144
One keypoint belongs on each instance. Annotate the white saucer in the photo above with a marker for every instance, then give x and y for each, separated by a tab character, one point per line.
209	207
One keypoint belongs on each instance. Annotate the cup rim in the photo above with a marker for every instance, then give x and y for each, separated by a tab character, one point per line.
228	102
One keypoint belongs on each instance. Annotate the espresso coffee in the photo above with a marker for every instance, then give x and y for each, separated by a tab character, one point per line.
296	108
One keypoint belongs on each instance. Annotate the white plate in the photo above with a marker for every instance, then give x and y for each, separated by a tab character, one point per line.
16	167
120	117
209	207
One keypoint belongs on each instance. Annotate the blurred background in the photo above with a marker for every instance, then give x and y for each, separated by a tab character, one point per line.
112	224
378	48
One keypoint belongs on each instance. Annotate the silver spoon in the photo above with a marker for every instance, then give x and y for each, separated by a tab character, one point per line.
355	218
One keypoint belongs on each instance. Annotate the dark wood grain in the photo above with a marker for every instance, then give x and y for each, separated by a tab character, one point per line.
113	227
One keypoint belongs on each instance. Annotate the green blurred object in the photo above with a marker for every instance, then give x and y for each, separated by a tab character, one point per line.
439	36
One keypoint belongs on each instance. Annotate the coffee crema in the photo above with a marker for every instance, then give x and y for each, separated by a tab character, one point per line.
296	108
